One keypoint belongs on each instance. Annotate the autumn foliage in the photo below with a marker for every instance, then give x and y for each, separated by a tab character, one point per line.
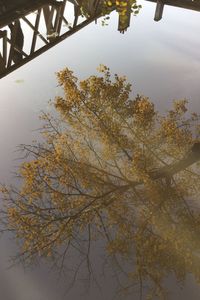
124	9
96	176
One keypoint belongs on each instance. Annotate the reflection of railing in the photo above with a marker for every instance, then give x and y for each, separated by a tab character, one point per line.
187	4
18	47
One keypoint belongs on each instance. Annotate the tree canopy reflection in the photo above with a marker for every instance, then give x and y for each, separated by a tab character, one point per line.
111	169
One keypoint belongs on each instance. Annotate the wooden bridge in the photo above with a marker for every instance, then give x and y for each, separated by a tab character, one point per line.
47	24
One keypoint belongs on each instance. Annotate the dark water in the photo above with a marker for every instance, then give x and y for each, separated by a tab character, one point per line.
161	60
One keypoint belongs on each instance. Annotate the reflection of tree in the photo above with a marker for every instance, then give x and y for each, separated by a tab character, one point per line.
123	8
115	170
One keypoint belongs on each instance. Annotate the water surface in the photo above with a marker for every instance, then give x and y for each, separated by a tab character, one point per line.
161	60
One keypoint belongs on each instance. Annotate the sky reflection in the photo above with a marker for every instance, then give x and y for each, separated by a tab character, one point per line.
162	60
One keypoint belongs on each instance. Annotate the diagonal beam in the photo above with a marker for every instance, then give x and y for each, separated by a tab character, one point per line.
35	33
32	27
16	48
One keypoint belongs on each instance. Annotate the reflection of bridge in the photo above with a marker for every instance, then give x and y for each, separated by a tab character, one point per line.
187	4
30	27
24	22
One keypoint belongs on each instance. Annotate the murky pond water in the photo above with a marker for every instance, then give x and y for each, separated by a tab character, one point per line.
160	59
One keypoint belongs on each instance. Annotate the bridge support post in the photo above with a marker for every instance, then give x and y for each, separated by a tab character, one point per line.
159	10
